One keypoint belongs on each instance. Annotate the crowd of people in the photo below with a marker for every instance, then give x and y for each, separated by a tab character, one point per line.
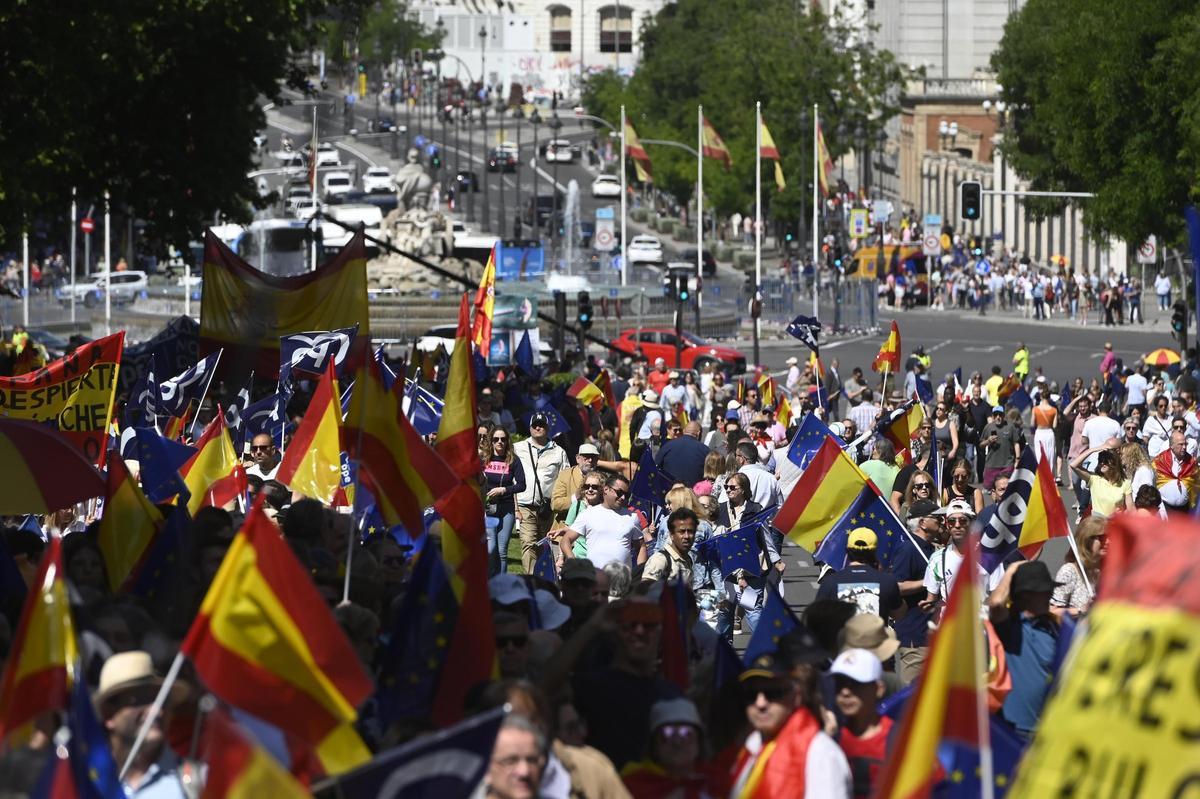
579	563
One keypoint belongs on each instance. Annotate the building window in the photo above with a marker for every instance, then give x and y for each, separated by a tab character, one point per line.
560	29
616	29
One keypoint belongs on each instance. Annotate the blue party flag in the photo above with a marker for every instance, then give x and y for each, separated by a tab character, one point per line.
733	550
523	357
775	621
808	439
159	461
177	393
650	485
92	763
233	414
385	372
544	568
807	329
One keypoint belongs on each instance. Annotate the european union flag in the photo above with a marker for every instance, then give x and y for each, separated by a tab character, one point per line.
807	329
424	409
924	389
1022	401
726	666
1114	387
556	424
1064	398
418	644
808	440
736	549
479	363
161	563
523	358
160	460
92	764
650	485
868	510
385	372
776	621
543	568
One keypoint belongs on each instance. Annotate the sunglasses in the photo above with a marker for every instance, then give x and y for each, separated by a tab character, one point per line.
957	521
620	492
919	486
260	447
732	487
500	439
517	641
774	692
592	487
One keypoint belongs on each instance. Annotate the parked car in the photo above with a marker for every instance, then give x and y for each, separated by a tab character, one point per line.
295	197
645	250
659	342
327	155
377	179
558	150
334	184
306	208
123	287
501	160
606	186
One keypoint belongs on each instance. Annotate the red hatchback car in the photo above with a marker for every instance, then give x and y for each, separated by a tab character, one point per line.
659	342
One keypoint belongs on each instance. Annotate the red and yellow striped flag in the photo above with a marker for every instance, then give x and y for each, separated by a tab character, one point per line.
784	414
40	668
128	527
238	768
312	464
265	641
485	306
714	145
635	150
889	354
767	149
214	475
825	166
586	392
604	383
456	432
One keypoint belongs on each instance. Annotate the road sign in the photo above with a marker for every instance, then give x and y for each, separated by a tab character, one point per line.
604	238
613	293
858	223
1148	251
87	224
931	245
881	211
932	220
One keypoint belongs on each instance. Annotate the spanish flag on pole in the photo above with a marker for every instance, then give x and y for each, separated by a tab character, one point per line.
265	641
456	433
214	475
38	675
586	392
948	705
128	527
635	150
768	150
312	464
714	145
889	354
821	497
825	172
485	304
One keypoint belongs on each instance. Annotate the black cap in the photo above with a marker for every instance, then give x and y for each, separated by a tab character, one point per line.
922	508
767	666
1032	577
538	420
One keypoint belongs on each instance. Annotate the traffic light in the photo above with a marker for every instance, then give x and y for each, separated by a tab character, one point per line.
583	311
435	161
837	258
669	285
362	67
970	199
1179	318
417	57
683	292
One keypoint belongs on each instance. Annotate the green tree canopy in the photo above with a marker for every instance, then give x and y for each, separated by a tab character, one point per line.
728	54
1103	98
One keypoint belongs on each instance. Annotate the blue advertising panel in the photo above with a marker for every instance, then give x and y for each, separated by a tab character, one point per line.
517	259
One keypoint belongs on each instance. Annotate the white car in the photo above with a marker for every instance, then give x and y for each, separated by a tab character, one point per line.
377	178
335	184
306	208
124	286
560	150
645	250
327	155
606	186
295	196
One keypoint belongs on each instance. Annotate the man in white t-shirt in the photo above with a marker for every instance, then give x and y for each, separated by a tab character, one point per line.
1135	392
610	530
1101	427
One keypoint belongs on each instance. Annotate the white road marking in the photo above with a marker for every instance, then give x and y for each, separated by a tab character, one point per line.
992	348
939	345
1040	353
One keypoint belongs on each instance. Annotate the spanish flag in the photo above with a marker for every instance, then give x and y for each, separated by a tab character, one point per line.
767	149
265	641
714	145
784	414
214	475
626	436
947	706
456	433
485	304
825	170
40	668
395	463
818	368
238	768
635	150
128	527
821	496
312	464
889	354
604	383
766	390
586	392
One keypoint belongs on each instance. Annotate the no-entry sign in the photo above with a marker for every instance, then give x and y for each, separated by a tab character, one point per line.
87	224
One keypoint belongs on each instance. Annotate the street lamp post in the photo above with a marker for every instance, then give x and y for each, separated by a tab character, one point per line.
555	125
487	204
483	36
535	119
503	206
517	178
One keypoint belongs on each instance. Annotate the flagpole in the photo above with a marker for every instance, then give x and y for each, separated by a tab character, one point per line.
987	773
757	216
1078	562
699	213
313	222
816	186
153	713
624	196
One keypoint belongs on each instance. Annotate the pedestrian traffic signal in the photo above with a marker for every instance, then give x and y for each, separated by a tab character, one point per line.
362	67
1179	318
683	289
970	199
583	311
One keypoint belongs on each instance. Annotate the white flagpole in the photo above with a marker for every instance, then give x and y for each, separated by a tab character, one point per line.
699	207
74	213
815	217
757	203
155	710
987	772
25	278
108	267
624	194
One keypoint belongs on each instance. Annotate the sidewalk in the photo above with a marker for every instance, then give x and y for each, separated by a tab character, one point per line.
1157	322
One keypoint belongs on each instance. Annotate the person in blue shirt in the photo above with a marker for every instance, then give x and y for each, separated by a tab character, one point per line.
1019	608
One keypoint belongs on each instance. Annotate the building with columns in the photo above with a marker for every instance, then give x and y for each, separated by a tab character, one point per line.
544	46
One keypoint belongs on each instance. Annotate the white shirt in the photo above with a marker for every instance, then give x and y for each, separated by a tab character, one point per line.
1099	429
610	535
1173	492
541	467
257	471
1136	385
676	394
764	488
1156	433
826	770
1162	284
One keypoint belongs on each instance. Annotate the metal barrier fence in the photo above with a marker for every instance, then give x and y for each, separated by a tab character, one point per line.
45	310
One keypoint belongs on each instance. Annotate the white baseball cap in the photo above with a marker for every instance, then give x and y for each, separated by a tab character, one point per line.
957	506
860	665
650	395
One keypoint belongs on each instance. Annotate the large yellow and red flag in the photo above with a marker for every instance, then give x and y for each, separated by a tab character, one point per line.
767	149
40	668
239	768
586	392
604	382
825	163
128	527
485	307
214	475
829	486
312	464
265	642
635	150
889	354
247	311
456	431
713	145
948	704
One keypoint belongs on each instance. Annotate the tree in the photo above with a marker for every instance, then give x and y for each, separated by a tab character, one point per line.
1103	99
727	54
